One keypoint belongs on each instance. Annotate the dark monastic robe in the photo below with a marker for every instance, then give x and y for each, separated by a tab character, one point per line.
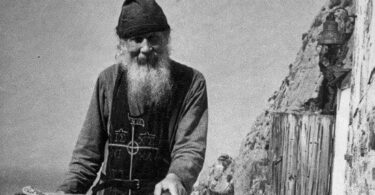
150	142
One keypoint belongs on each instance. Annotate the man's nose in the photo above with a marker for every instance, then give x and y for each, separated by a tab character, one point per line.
146	47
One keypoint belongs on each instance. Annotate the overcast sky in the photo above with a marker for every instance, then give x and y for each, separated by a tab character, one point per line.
53	50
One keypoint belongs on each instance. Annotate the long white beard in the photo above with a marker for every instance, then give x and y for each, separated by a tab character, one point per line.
147	84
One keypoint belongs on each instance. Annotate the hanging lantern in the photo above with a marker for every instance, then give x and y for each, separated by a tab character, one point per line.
330	34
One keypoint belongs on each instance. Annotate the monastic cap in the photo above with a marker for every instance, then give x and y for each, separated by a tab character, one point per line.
140	17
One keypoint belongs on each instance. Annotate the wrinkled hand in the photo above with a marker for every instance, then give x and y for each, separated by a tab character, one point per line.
45	193
171	183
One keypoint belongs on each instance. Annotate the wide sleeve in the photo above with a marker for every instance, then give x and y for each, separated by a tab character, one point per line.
89	150
190	142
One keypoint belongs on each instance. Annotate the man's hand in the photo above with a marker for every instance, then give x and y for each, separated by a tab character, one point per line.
29	190
171	183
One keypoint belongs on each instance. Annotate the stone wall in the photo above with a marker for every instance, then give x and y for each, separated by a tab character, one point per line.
360	172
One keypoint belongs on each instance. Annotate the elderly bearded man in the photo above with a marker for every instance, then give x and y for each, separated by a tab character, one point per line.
147	120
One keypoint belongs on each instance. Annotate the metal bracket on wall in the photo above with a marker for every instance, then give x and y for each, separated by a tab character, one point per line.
278	160
349	159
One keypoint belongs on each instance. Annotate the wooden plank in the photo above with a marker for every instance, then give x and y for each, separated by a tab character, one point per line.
276	153
271	155
296	176
284	170
332	148
317	154
323	158
305	144
280	165
328	127
311	123
304	154
299	151
317	151
310	159
291	126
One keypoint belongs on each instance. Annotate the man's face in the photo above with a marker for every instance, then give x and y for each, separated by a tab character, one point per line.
146	58
147	49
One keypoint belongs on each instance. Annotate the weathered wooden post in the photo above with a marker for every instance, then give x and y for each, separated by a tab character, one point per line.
301	152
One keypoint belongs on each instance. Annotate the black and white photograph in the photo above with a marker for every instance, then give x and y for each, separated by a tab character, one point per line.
187	97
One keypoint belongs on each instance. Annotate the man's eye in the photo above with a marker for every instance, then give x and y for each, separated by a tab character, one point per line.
153	39
137	39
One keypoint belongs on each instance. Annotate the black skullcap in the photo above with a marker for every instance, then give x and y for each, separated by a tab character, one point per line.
140	17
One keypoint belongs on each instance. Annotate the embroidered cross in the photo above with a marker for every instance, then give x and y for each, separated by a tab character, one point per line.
136	121
146	139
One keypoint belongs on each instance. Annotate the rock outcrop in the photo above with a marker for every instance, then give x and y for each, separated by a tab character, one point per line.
311	86
301	91
219	179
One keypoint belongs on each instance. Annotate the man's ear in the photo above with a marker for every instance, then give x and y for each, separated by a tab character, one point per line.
122	44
